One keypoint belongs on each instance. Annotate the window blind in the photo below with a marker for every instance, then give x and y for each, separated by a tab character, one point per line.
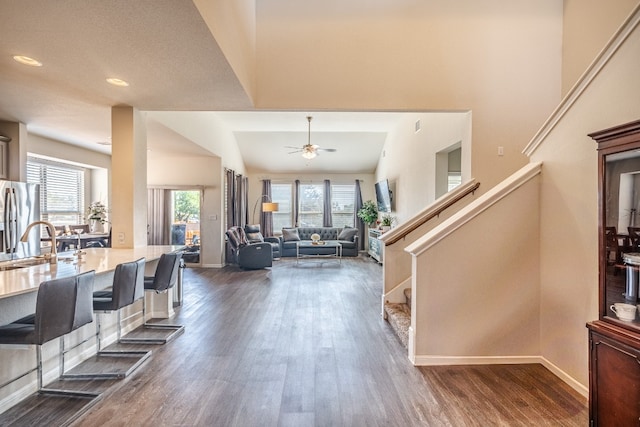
61	191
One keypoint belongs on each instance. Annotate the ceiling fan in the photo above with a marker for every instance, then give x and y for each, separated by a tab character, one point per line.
309	151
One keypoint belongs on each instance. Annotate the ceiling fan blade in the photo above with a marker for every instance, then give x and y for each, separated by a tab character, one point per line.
295	148
329	150
293	152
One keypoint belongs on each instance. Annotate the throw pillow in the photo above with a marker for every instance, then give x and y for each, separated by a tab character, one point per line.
290	234
347	233
255	237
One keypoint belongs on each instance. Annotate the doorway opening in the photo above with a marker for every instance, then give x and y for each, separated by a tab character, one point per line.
173	218
448	169
185	222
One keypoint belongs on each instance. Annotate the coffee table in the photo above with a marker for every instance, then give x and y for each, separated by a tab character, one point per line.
306	245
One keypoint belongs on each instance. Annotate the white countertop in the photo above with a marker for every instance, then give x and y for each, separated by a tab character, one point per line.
102	260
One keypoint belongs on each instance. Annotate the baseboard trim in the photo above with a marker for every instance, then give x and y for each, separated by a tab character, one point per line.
212	265
501	360
580	388
474	360
18	396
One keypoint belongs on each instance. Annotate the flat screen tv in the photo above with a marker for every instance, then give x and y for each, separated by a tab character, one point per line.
383	196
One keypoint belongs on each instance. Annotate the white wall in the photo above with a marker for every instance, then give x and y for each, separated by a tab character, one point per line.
206	130
500	60
587	26
476	291
233	24
409	157
569	213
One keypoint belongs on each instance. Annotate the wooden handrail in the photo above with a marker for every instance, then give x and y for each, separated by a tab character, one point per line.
434	214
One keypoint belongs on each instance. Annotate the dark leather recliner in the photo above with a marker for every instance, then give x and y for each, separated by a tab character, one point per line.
255	236
247	255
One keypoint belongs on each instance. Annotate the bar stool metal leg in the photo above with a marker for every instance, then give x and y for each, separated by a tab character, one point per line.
165	278
127	288
174	330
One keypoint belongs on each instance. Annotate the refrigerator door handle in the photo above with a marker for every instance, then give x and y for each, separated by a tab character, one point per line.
7	219
13	226
14	209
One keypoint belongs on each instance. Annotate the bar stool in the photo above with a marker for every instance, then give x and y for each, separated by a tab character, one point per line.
127	288
165	278
62	306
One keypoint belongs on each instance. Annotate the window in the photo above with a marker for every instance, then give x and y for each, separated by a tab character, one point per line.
342	204
185	215
453	180
311	205
311	198
61	191
281	194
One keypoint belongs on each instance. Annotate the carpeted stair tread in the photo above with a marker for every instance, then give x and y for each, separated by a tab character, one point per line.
399	317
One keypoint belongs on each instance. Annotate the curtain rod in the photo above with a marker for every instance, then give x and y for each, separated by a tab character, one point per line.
284	181
179	187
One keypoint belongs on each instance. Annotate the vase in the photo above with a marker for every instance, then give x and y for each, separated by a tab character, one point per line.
95	226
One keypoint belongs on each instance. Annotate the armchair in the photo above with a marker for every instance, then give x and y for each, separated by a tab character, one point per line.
248	255
255	236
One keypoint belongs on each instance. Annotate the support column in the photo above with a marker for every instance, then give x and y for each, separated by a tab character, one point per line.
128	178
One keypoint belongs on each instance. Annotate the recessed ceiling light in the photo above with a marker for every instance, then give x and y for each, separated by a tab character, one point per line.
117	82
27	61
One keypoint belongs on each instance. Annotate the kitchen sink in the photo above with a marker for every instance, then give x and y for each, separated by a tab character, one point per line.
29	262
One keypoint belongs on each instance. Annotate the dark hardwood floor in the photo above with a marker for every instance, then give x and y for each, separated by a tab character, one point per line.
304	345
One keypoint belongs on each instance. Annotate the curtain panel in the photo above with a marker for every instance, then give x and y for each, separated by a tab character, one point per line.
359	223
296	203
158	221
237	218
266	218
230	198
245	202
327	221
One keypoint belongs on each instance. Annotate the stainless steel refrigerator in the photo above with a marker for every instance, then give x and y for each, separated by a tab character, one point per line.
19	207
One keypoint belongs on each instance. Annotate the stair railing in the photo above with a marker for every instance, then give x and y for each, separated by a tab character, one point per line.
397	262
433	211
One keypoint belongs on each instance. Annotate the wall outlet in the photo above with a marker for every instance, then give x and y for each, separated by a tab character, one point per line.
121	237
500	151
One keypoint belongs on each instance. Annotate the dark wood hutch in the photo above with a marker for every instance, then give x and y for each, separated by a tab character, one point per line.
614	344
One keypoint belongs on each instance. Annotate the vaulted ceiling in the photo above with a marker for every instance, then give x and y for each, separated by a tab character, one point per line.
170	59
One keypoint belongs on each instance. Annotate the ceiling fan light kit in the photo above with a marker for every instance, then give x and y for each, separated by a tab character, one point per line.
310	151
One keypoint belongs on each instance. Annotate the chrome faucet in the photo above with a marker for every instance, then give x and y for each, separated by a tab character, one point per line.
52	231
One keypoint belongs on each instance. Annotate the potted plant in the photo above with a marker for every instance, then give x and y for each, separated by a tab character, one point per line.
387	221
368	212
97	216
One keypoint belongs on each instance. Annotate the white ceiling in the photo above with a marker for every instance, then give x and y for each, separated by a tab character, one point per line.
165	51
265	139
